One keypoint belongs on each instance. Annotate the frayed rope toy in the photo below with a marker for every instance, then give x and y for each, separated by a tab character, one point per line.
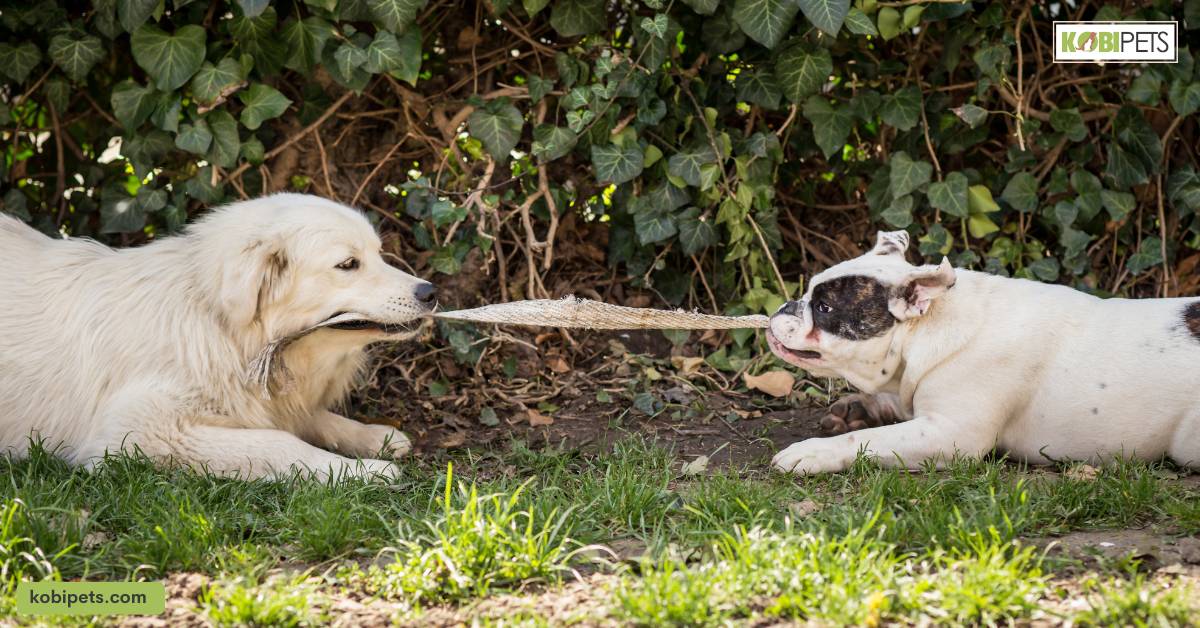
268	372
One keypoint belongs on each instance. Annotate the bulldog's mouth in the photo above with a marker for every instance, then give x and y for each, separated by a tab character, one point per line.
804	355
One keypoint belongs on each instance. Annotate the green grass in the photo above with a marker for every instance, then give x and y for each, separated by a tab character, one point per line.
874	545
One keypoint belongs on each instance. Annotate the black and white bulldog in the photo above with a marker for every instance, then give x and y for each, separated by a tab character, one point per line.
970	362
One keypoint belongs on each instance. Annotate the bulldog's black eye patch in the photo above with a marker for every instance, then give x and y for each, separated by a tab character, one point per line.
1191	319
853	307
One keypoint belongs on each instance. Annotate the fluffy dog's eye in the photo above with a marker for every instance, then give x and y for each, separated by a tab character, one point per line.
349	264
824	307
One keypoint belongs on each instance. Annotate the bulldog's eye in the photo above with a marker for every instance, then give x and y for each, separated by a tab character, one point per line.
824	307
349	264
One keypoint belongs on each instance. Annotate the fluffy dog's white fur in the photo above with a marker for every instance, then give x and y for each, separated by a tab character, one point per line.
107	349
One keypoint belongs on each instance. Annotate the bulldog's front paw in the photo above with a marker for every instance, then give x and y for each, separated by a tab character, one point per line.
382	440
815	455
857	412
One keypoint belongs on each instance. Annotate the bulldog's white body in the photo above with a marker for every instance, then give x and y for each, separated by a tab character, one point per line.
1042	372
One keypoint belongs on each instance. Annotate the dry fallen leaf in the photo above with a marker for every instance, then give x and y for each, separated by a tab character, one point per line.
537	418
558	364
685	365
452	440
93	540
803	508
774	383
1083	472
697	466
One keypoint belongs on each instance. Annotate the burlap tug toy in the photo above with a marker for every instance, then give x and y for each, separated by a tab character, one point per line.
268	372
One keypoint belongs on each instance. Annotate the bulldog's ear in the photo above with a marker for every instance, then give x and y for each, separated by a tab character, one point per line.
251	280
891	243
913	297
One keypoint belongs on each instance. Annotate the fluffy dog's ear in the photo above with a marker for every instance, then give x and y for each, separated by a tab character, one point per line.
251	281
912	298
891	243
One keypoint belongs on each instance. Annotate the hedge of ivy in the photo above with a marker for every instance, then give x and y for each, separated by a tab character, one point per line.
721	149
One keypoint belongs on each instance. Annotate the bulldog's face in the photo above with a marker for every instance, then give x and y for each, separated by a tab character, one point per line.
843	326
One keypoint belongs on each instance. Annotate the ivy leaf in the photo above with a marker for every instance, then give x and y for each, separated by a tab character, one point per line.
498	125
703	7
15	204
253	8
765	21
902	109
802	72
687	164
993	60
907	175
539	87
1021	192
1184	97
1118	204
76	55
759	88
859	23
399	56
826	15
552	142
533	7
169	59
118	211
657	26
831	124
211	81
132	103
899	213
1124	168
194	138
1087	185
889	23
571	18
695	233
16	62
980	226
653	225
58	93
980	201
225	145
395	15
1146	89
1070	123
305	40
262	103
133	13
1183	189
972	115
950	195
349	57
617	164
1149	255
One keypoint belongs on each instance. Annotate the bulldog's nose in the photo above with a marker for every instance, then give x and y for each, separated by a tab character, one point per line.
790	308
425	292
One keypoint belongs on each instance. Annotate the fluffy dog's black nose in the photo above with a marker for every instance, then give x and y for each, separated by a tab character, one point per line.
789	308
425	293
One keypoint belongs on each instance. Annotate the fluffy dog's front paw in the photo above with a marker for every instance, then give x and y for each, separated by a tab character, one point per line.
809	457
856	412
382	440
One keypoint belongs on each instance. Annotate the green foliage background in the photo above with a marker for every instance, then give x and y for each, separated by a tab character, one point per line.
700	152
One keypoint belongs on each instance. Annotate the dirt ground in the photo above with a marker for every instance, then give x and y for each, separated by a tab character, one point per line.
581	398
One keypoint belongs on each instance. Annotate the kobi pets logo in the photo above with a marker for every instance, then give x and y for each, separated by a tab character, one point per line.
1108	42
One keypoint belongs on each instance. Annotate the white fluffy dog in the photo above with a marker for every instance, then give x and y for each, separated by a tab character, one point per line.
147	347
